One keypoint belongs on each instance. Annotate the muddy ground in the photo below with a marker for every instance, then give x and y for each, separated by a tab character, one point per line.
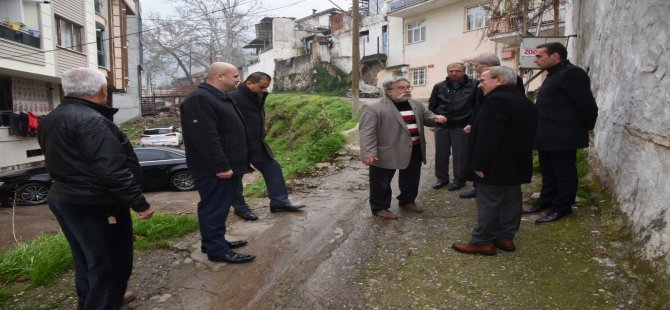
335	255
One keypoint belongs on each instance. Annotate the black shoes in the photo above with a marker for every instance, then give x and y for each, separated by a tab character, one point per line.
246	214
536	208
231	245
553	216
455	186
468	195
231	258
440	184
286	208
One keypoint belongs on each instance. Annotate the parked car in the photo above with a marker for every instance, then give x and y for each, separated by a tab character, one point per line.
366	91
164	136
31	186
161	167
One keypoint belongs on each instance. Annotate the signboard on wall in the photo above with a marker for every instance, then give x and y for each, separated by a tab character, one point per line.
527	50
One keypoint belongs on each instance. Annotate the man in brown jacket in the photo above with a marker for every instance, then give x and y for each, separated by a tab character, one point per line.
392	138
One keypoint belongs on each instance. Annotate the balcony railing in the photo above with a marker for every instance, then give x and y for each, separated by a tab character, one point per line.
401	4
14	33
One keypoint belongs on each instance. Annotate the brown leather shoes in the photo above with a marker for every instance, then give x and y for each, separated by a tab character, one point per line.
471	248
385	214
411	207
505	245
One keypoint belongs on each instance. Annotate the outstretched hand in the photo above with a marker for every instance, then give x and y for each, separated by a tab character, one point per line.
440	119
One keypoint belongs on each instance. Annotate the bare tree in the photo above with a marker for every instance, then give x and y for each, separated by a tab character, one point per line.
205	31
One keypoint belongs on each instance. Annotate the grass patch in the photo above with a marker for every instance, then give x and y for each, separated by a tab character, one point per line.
303	130
45	258
155	232
41	260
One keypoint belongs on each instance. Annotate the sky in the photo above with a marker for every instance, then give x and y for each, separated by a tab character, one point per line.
273	8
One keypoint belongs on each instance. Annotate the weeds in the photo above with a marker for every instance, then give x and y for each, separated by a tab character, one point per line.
155	232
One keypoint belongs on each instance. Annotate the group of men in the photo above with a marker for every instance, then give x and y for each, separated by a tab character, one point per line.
97	174
491	128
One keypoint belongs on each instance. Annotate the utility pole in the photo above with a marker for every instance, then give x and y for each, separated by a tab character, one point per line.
355	58
556	18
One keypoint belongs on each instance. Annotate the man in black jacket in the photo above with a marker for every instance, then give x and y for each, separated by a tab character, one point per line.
567	111
482	62
250	98
217	154
449	98
501	157
96	182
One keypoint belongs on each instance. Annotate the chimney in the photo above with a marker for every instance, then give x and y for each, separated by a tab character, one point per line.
313	12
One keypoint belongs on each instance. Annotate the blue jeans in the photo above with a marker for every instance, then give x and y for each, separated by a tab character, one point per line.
102	252
274	182
216	196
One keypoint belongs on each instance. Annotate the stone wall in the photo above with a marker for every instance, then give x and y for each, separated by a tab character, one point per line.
293	74
624	46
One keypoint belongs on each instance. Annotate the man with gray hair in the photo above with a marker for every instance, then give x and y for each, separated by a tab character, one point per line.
482	62
449	98
96	182
391	138
501	159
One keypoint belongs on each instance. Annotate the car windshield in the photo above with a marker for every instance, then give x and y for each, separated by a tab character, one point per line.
157	131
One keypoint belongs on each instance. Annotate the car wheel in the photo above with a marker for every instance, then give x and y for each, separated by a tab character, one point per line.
349	93
32	193
182	181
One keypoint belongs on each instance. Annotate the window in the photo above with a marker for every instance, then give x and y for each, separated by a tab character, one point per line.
418	76
150	155
69	35
416	32
470	69
477	17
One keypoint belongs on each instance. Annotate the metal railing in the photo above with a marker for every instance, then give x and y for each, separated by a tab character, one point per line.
16	34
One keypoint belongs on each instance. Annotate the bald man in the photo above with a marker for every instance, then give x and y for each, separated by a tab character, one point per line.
217	154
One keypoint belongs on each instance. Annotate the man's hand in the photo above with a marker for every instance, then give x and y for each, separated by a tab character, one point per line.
369	160
225	174
467	129
440	119
479	174
146	214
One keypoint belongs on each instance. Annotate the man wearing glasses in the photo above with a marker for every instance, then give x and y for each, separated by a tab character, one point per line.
392	138
449	98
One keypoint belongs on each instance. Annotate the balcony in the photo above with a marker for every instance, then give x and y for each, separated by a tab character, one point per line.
408	8
507	27
13	32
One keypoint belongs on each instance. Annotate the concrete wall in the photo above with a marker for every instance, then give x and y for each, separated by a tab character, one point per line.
624	44
283	38
128	103
265	64
294	74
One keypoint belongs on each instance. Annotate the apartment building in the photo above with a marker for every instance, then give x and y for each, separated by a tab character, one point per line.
424	36
39	40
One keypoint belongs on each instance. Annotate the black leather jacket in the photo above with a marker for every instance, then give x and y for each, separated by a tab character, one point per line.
90	159
452	103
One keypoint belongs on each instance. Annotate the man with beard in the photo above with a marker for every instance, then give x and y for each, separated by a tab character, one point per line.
392	138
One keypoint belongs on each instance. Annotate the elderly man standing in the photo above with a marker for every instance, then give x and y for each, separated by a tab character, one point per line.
449	98
501	158
392	138
482	62
96	182
250	98
567	111
217	154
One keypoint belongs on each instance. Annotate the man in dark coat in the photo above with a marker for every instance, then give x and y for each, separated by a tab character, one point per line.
501	158
217	154
482	62
449	98
567	111
250	98
96	182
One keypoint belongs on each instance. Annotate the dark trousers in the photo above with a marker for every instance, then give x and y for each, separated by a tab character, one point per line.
446	141
216	196
408	182
559	179
274	183
102	252
498	213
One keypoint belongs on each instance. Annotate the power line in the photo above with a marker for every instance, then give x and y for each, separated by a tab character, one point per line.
138	32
